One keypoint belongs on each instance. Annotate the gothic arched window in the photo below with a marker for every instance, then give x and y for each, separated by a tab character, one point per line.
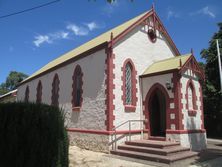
191	99
190	93
77	88
39	93
27	94
129	85
55	91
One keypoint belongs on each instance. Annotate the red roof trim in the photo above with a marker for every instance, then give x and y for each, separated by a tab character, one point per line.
130	28
168	36
199	72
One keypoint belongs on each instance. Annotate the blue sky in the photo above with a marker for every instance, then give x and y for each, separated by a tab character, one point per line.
32	39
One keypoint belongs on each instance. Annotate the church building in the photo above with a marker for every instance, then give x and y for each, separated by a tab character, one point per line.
129	83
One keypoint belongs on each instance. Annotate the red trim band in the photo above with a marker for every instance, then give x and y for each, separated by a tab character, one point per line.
185	131
103	132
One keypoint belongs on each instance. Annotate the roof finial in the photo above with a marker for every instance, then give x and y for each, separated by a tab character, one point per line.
191	51
111	36
111	39
153	9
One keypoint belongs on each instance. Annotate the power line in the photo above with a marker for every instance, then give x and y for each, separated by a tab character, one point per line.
27	10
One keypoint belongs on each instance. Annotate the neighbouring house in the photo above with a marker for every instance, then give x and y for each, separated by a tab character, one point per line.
9	97
131	79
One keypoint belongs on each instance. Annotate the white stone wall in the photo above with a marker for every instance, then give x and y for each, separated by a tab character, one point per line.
148	82
92	114
190	122
94	142
136	46
194	141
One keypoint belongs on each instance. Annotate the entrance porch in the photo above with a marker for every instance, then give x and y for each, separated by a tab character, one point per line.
172	101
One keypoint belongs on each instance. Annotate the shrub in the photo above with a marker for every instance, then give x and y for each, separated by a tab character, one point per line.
32	135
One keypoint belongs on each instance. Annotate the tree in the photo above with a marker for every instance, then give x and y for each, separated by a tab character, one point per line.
211	90
12	81
3	89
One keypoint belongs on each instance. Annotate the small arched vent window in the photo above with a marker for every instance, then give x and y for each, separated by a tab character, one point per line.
27	94
77	88
39	93
55	91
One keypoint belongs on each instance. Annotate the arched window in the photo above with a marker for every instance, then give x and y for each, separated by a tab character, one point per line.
27	94
77	89
129	85
191	98
39	93
55	91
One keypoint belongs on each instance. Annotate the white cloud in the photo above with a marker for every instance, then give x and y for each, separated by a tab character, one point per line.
59	35
64	35
40	39
71	30
50	38
77	30
92	25
171	14
204	11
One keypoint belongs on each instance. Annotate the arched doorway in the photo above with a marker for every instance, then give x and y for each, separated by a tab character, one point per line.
157	113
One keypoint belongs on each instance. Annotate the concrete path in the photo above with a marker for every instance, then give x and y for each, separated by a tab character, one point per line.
84	158
212	157
211	163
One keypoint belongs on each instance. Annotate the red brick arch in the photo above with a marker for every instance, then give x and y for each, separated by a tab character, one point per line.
152	90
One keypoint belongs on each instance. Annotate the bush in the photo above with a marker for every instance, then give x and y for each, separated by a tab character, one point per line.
32	135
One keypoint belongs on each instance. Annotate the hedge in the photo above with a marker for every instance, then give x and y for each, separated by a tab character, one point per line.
32	135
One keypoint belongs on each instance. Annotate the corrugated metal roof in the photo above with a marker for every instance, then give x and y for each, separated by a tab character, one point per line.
167	64
105	37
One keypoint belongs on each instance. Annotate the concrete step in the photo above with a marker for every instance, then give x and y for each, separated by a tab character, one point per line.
153	157
152	143
158	151
157	138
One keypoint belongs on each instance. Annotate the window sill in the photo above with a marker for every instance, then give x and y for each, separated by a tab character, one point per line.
130	108
192	113
76	109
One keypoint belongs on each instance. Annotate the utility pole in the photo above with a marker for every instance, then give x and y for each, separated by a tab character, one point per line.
219	62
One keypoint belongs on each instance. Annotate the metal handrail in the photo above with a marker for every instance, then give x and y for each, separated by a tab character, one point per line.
115	132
